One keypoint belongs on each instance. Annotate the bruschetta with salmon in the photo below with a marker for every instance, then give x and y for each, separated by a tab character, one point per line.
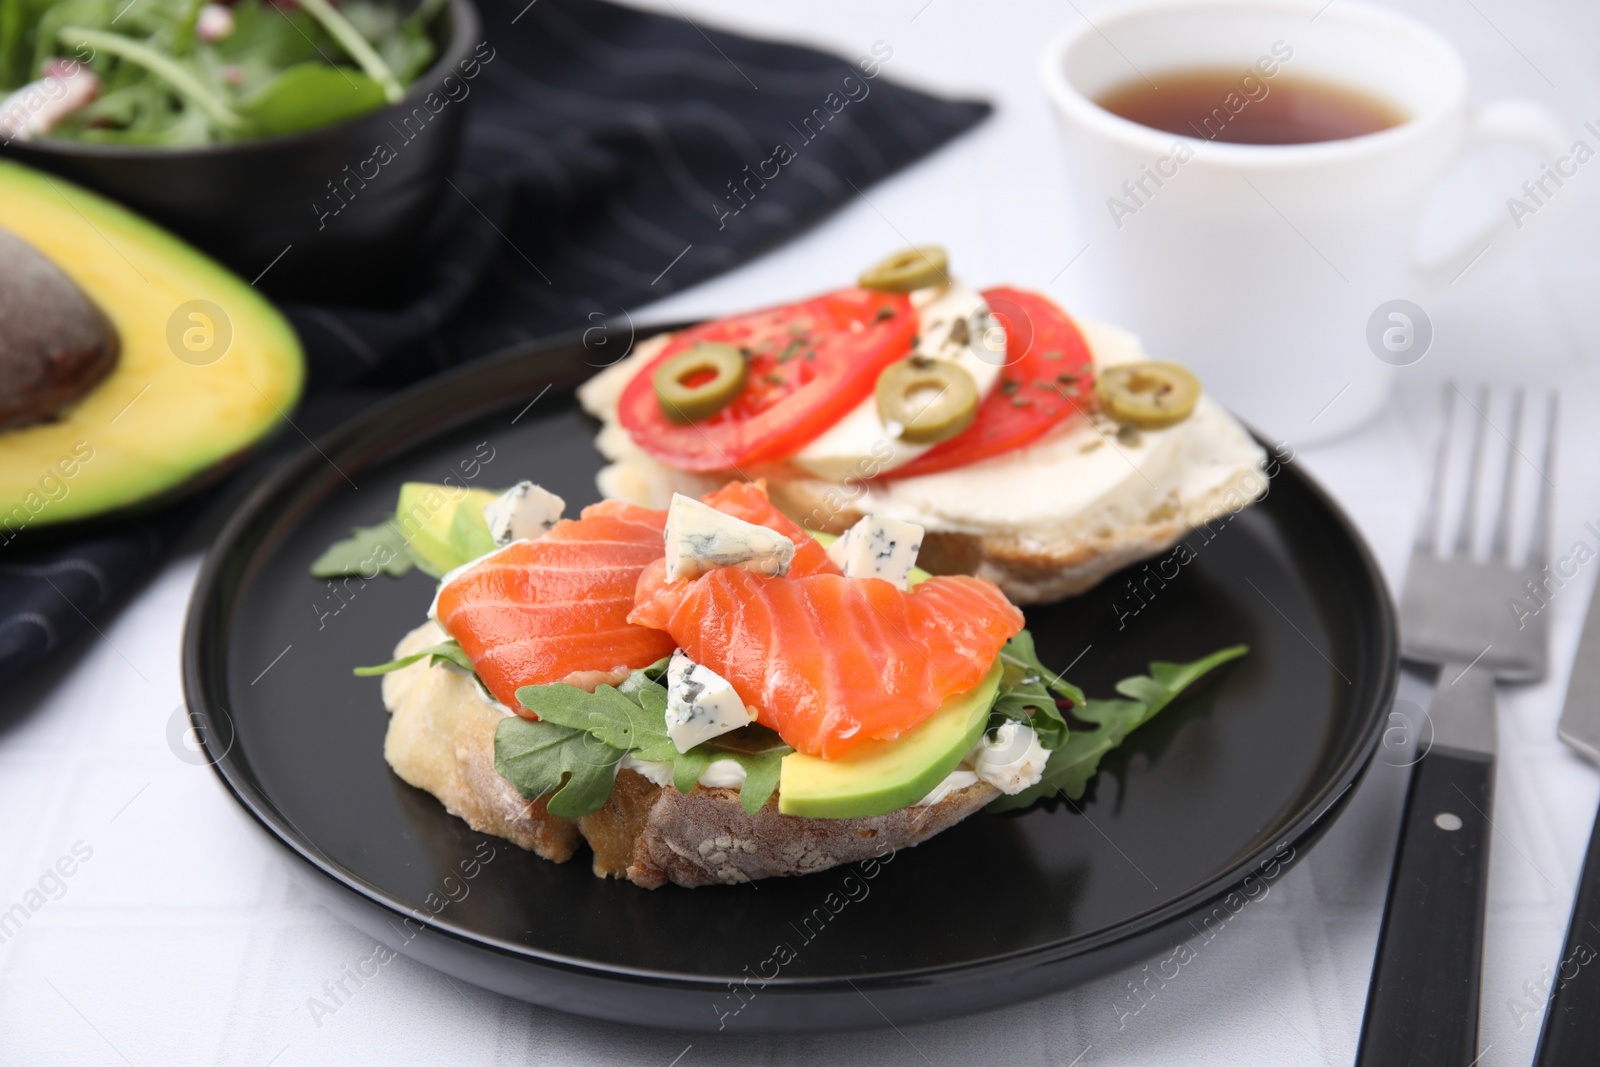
708	693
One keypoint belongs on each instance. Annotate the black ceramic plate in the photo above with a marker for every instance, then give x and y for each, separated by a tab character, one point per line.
994	911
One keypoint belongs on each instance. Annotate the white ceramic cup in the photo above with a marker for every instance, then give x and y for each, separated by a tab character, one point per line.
1266	268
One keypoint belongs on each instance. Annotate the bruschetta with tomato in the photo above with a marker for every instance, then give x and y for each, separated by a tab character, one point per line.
1037	449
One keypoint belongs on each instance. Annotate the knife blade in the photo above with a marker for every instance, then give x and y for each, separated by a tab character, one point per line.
1580	717
1571	1031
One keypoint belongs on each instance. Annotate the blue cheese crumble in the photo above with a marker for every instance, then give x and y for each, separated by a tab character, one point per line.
700	538
878	547
701	704
521	513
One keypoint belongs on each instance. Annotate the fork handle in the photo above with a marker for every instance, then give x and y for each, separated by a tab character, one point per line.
1571	1022
1422	1006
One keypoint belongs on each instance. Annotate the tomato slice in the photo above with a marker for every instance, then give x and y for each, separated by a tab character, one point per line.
808	365
1047	379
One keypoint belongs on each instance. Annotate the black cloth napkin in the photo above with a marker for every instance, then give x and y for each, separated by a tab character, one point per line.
611	157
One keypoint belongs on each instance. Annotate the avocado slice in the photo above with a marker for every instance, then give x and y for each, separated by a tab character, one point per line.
878	777
185	393
443	524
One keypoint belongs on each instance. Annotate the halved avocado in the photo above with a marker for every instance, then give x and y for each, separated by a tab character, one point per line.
878	777
444	524
206	366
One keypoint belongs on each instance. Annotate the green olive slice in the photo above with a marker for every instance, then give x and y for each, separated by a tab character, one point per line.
915	268
1150	395
697	383
930	400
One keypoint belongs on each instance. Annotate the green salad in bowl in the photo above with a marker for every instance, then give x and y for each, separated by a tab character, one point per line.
189	73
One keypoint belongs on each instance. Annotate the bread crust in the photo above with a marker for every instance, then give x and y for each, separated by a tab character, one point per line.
705	837
441	739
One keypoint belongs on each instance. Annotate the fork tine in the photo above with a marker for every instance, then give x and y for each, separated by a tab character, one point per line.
1500	547
1469	511
1428	525
1539	543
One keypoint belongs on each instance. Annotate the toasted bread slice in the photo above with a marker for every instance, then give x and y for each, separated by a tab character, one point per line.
441	739
1043	522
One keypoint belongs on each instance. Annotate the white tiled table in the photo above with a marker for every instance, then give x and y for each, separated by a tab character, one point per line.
180	940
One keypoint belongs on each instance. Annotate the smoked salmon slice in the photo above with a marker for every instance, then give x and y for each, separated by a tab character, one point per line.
656	597
829	661
556	608
825	660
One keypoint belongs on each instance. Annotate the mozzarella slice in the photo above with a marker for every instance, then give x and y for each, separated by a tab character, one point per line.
701	704
522	513
878	547
700	538
954	325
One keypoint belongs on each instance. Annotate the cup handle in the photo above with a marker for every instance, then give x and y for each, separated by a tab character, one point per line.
1521	122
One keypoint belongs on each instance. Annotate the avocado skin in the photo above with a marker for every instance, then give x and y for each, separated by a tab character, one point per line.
55	343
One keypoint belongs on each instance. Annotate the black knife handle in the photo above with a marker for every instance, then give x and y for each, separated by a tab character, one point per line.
1422	1006
1571	1033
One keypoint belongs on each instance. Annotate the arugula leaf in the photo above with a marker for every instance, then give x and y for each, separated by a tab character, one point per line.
402	40
1073	763
761	769
308	95
368	551
546	757
606	713
446	651
1028	691
1019	652
267	38
302	65
631	718
12	60
761	777
387	548
355	46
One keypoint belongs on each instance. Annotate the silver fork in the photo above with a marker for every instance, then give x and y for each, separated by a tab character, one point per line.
1457	613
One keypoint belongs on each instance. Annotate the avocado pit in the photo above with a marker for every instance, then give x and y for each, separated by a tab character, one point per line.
55	343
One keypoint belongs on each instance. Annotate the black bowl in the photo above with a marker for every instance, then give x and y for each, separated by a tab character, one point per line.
348	214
